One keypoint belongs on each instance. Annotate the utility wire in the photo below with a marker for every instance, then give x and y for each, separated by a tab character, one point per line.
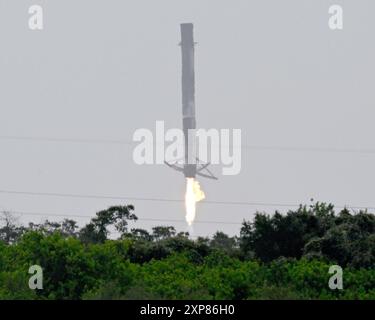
129	198
193	236
43	214
65	140
249	147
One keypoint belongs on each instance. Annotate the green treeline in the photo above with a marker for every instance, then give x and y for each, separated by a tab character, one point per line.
274	257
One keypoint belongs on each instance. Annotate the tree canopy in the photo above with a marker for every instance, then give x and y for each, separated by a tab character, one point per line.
273	257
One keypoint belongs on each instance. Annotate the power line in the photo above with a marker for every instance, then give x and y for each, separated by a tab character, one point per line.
129	198
66	140
194	236
86	196
310	149
191	236
248	147
82	196
49	214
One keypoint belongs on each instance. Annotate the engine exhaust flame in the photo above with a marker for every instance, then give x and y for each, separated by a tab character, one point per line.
193	195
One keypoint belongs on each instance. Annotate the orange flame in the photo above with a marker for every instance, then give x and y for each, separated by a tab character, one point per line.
193	195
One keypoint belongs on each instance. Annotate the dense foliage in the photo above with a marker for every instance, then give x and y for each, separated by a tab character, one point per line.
275	257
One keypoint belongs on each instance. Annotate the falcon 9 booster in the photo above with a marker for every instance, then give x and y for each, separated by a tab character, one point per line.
188	97
192	166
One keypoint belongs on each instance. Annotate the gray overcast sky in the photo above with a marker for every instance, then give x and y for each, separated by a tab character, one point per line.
100	69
